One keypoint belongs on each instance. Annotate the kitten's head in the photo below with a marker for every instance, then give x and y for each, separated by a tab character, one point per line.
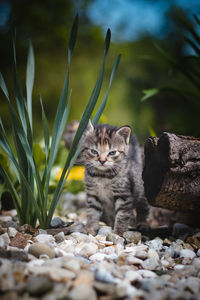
104	149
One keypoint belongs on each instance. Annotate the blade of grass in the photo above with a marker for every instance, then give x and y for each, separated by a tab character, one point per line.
30	74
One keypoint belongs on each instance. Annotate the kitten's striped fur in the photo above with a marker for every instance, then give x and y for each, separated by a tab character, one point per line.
113	180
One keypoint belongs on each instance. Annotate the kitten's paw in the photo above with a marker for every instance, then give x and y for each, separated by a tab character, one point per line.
118	232
92	231
143	227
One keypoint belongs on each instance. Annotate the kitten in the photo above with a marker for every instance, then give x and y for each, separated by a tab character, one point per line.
113	177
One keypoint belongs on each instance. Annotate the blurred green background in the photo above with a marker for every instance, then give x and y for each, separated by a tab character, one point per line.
135	26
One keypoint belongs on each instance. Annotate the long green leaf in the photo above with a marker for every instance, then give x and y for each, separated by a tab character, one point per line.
72	39
83	123
196	19
190	96
18	97
3	86
45	129
30	74
5	145
103	104
25	156
62	103
12	190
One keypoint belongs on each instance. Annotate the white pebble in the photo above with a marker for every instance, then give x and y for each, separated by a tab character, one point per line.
178	267
46	239
98	257
187	253
132	275
86	249
150	264
12	232
4	240
147	273
153	254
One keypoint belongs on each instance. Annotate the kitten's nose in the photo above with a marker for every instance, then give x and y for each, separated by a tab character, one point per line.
102	161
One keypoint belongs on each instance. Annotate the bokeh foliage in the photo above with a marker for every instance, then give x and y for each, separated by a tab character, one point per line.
142	67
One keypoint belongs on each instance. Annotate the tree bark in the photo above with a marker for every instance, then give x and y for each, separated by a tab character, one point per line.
172	172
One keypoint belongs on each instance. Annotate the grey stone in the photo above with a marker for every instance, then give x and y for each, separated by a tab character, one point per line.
57	222
196	263
192	284
7	281
115	238
132	276
150	264
132	237
4	219
82	292
12	232
37	286
141	254
46	239
104	230
13	224
59	237
38	249
55	274
86	249
4	240
187	253
14	254
156	244
71	263
104	275
153	254
106	288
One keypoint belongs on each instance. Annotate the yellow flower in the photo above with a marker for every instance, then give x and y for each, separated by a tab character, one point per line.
76	173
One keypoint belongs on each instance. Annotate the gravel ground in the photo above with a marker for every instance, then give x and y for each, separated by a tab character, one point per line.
65	263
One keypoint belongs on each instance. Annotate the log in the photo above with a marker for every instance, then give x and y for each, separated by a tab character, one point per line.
172	172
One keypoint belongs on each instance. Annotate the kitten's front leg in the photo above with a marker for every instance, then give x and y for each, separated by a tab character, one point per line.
123	211
94	211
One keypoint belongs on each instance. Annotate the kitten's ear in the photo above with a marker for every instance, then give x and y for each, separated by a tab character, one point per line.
125	132
89	128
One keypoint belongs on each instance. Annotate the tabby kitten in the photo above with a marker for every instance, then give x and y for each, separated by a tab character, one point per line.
113	181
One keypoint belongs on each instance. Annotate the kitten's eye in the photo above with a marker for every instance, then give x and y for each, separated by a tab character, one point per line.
94	152
111	153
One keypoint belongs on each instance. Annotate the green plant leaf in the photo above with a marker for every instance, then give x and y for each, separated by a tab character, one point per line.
45	129
152	131
18	97
107	42
39	155
103	103
3	86
12	190
72	39
30	74
149	93
82	125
